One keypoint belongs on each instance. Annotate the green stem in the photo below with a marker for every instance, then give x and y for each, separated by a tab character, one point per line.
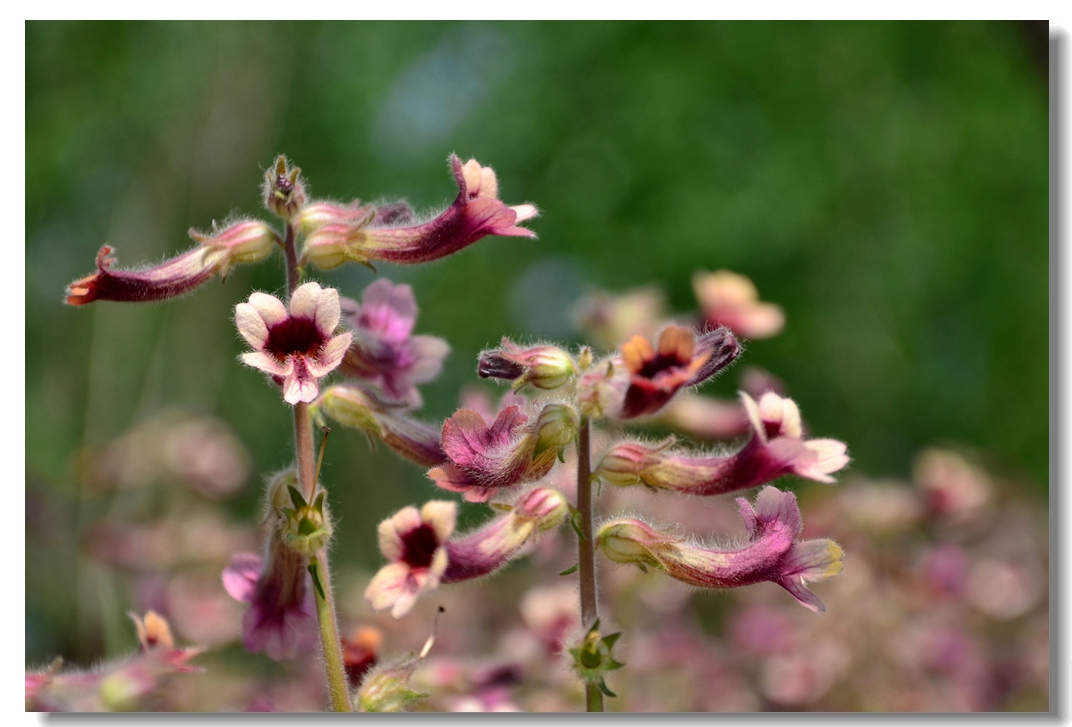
586	551
338	686
325	607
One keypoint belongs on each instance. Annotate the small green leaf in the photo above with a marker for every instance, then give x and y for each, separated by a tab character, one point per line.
572	569
603	688
316	581
318	503
296	497
574	523
612	665
610	640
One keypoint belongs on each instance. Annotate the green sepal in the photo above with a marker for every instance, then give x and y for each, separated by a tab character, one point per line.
501	506
612	665
572	569
318	503
603	688
609	641
316	581
296	497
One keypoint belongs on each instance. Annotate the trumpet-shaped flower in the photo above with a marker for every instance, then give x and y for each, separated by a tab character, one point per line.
486	457
423	553
773	552
777	448
475	213
281	619
295	348
644	378
383	351
247	241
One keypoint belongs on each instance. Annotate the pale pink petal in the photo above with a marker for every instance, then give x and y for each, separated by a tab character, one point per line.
429	352
388	585
830	456
331	355
240	576
752	409
303	302
441	515
268	364
270	308
436	569
404	603
299	385
390	531
328	311
525	212
251	325
791	426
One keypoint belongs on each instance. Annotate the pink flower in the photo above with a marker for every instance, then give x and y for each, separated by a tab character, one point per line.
415	544
731	300
297	348
383	351
423	553
773	552
776	449
475	213
243	242
486	457
281	620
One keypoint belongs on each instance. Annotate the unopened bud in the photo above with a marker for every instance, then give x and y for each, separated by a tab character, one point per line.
546	506
315	215
283	191
386	689
248	241
629	541
545	367
556	428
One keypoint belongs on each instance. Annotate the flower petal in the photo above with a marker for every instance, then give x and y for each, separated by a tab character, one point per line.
270	308
268	364
251	325
303	303
240	576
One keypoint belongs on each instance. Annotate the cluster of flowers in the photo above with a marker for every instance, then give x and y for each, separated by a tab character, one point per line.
505	457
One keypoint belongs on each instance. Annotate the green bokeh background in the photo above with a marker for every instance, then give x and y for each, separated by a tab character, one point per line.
886	183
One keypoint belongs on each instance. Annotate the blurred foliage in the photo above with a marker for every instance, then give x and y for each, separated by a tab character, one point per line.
885	183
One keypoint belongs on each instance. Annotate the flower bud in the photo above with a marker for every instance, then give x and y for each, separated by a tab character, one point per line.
630	541
546	507
248	241
545	367
386	689
601	389
315	215
283	191
556	428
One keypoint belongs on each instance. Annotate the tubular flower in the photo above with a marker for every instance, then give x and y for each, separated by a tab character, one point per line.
383	351
773	552
243	242
297	348
655	375
355	407
423	554
544	366
281	619
475	213
486	457
492	546
776	449
731	300
415	544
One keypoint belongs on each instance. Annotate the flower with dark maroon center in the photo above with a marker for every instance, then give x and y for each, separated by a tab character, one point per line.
680	360
297	348
415	544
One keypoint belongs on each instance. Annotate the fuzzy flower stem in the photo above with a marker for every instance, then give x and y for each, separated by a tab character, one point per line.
325	606
585	550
